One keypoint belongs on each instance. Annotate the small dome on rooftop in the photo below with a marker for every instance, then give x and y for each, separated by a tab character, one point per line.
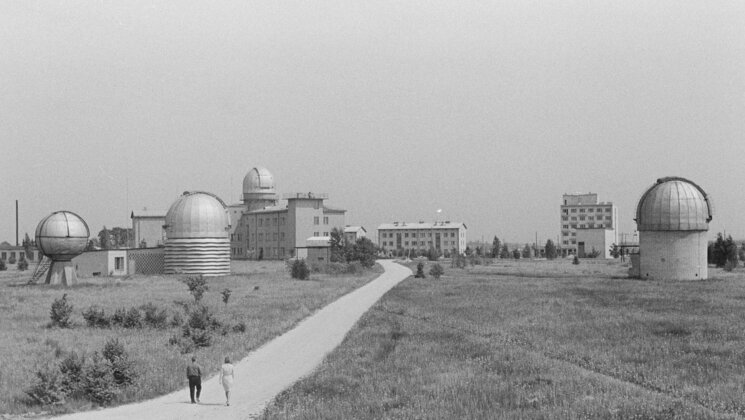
258	180
674	204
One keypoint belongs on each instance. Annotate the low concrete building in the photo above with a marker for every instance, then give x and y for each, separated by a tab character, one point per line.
352	233
104	262
8	252
599	239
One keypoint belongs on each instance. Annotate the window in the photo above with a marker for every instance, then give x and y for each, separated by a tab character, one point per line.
325	220
574	217
261	221
406	243
590	210
565	226
232	237
607	218
566	242
591	218
581	210
406	235
275	236
574	226
582	226
282	236
119	263
607	210
565	211
325	234
564	217
4	256
564	233
574	241
574	210
315	220
582	218
274	221
316	234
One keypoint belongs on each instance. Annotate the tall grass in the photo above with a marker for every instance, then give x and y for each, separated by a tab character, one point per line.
263	297
493	342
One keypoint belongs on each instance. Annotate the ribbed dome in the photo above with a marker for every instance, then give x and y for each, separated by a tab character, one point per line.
258	180
197	214
674	204
62	235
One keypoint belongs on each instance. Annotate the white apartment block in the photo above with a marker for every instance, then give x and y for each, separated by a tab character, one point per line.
587	224
420	236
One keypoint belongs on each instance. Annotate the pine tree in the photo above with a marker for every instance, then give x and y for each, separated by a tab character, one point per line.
550	249
495	247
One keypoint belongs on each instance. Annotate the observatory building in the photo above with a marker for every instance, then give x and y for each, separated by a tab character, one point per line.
61	236
197	242
672	218
262	228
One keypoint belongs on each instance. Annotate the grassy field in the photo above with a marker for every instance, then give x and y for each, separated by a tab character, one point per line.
537	339
264	297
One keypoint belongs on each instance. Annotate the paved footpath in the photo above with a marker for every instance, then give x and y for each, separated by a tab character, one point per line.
270	369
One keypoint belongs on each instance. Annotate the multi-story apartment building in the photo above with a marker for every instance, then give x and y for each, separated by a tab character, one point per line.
587	225
442	236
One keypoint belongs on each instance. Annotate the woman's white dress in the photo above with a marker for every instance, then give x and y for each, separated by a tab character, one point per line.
226	373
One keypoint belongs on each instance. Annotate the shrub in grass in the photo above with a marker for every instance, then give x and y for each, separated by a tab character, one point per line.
177	320
60	312
226	296
118	318
48	387
201	318
98	381
436	271
576	260
197	286
154	318
132	319
299	269
12	259
420	271
730	265
71	368
122	368
239	327
96	318
22	264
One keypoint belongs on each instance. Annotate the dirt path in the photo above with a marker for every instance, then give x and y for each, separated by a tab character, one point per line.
268	370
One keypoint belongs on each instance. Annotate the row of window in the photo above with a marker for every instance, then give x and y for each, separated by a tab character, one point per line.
582	226
316	220
12	254
421	243
565	242
272	220
582	218
421	235
590	210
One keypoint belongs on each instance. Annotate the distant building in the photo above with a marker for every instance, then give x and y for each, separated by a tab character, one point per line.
352	233
587	225
8	252
261	228
442	236
147	229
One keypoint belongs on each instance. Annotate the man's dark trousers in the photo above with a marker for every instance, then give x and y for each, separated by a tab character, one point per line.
195	382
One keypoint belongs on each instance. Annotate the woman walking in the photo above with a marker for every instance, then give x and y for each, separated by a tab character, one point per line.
227	374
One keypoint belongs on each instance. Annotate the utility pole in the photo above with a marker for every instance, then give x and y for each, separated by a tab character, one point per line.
16	222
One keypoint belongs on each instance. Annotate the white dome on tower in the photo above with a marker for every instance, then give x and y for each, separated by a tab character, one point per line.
674	204
258	180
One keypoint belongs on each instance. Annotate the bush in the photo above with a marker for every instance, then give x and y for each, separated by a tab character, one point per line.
95	317
122	369
60	312
48	388
730	265
22	265
132	319
436	271
420	271
153	317
177	320
98	382
71	368
12	259
197	286
201	318
239	327
576	260
201	338
226	296
299	269
118	317
3	267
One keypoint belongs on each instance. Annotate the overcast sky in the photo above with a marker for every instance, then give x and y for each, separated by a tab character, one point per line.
489	111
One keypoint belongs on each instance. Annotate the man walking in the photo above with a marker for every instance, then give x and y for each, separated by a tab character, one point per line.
194	373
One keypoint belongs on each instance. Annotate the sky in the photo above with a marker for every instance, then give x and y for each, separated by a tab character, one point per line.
489	111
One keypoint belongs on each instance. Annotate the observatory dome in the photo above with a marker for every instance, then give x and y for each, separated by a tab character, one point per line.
62	235
197	215
258	180
674	204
